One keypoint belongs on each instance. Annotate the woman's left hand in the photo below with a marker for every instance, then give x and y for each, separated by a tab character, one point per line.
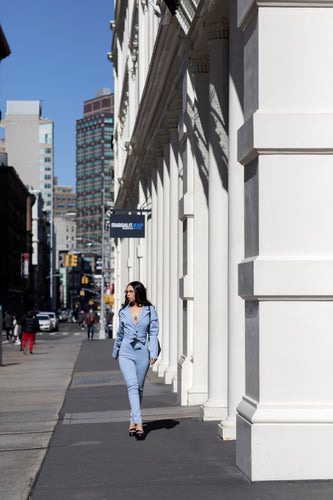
152	361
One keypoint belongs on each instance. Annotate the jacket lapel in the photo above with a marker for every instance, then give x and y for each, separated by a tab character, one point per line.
143	314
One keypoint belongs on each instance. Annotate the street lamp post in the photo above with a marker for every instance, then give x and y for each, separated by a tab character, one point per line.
102	321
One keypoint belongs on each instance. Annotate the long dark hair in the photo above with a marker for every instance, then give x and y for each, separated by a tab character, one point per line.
140	295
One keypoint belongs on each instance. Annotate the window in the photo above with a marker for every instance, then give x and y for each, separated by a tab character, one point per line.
46	133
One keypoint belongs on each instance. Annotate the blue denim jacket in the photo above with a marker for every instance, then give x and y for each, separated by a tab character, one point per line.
139	333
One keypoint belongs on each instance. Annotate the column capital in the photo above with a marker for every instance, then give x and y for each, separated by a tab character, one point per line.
199	63
144	5
218	30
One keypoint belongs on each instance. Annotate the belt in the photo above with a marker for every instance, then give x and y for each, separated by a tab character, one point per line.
136	340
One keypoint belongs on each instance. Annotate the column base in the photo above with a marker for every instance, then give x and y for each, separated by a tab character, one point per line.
155	367
213	410
161	368
290	449
175	384
196	396
184	379
169	374
227	429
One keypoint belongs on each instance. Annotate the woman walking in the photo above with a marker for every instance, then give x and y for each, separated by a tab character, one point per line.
136	347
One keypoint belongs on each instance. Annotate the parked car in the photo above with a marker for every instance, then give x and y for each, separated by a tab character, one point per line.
62	315
44	321
54	320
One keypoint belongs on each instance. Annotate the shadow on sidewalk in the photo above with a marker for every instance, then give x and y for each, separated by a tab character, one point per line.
159	424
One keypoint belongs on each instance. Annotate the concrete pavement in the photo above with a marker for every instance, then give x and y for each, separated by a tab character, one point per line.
90	455
33	388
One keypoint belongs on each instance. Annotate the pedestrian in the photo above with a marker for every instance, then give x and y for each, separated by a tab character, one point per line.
16	331
90	322
136	347
108	322
8	324
81	319
30	327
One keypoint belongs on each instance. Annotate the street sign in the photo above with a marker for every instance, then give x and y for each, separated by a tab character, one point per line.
127	226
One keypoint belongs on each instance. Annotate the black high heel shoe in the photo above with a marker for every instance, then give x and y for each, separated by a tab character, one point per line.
131	432
140	435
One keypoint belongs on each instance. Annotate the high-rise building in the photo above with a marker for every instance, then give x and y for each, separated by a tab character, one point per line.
94	165
29	145
64	200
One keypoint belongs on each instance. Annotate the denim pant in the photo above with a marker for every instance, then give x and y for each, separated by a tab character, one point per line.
134	364
91	327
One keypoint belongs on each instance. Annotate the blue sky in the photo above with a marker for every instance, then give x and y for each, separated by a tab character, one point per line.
59	56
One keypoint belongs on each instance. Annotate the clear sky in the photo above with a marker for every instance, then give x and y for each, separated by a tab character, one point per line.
59	56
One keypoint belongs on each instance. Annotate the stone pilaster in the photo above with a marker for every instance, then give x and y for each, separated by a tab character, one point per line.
284	421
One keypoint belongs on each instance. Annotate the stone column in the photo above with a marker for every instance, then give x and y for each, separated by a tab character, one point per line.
180	267
198	393
236	320
216	406
285	419
171	370
159	251
186	248
164	362
143	28
130	260
154	222
141	245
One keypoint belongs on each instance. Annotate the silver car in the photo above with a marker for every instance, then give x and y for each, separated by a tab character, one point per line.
44	321
54	320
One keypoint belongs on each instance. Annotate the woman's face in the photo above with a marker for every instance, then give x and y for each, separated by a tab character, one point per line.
130	294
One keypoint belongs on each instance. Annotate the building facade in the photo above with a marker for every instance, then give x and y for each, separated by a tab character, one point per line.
64	199
223	131
16	242
42	278
29	143
94	165
29	140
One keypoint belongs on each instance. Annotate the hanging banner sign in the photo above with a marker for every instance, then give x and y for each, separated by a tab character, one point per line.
127	226
25	265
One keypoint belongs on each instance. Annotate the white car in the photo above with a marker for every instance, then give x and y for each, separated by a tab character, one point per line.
44	321
54	320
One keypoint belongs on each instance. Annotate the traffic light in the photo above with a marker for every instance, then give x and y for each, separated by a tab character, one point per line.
67	262
74	260
84	280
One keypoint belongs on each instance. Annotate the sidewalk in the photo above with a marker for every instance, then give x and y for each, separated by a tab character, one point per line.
32	392
90	455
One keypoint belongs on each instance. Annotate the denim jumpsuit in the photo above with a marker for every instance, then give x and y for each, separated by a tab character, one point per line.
135	345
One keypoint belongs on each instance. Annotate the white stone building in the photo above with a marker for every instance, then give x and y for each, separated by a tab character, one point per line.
224	129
